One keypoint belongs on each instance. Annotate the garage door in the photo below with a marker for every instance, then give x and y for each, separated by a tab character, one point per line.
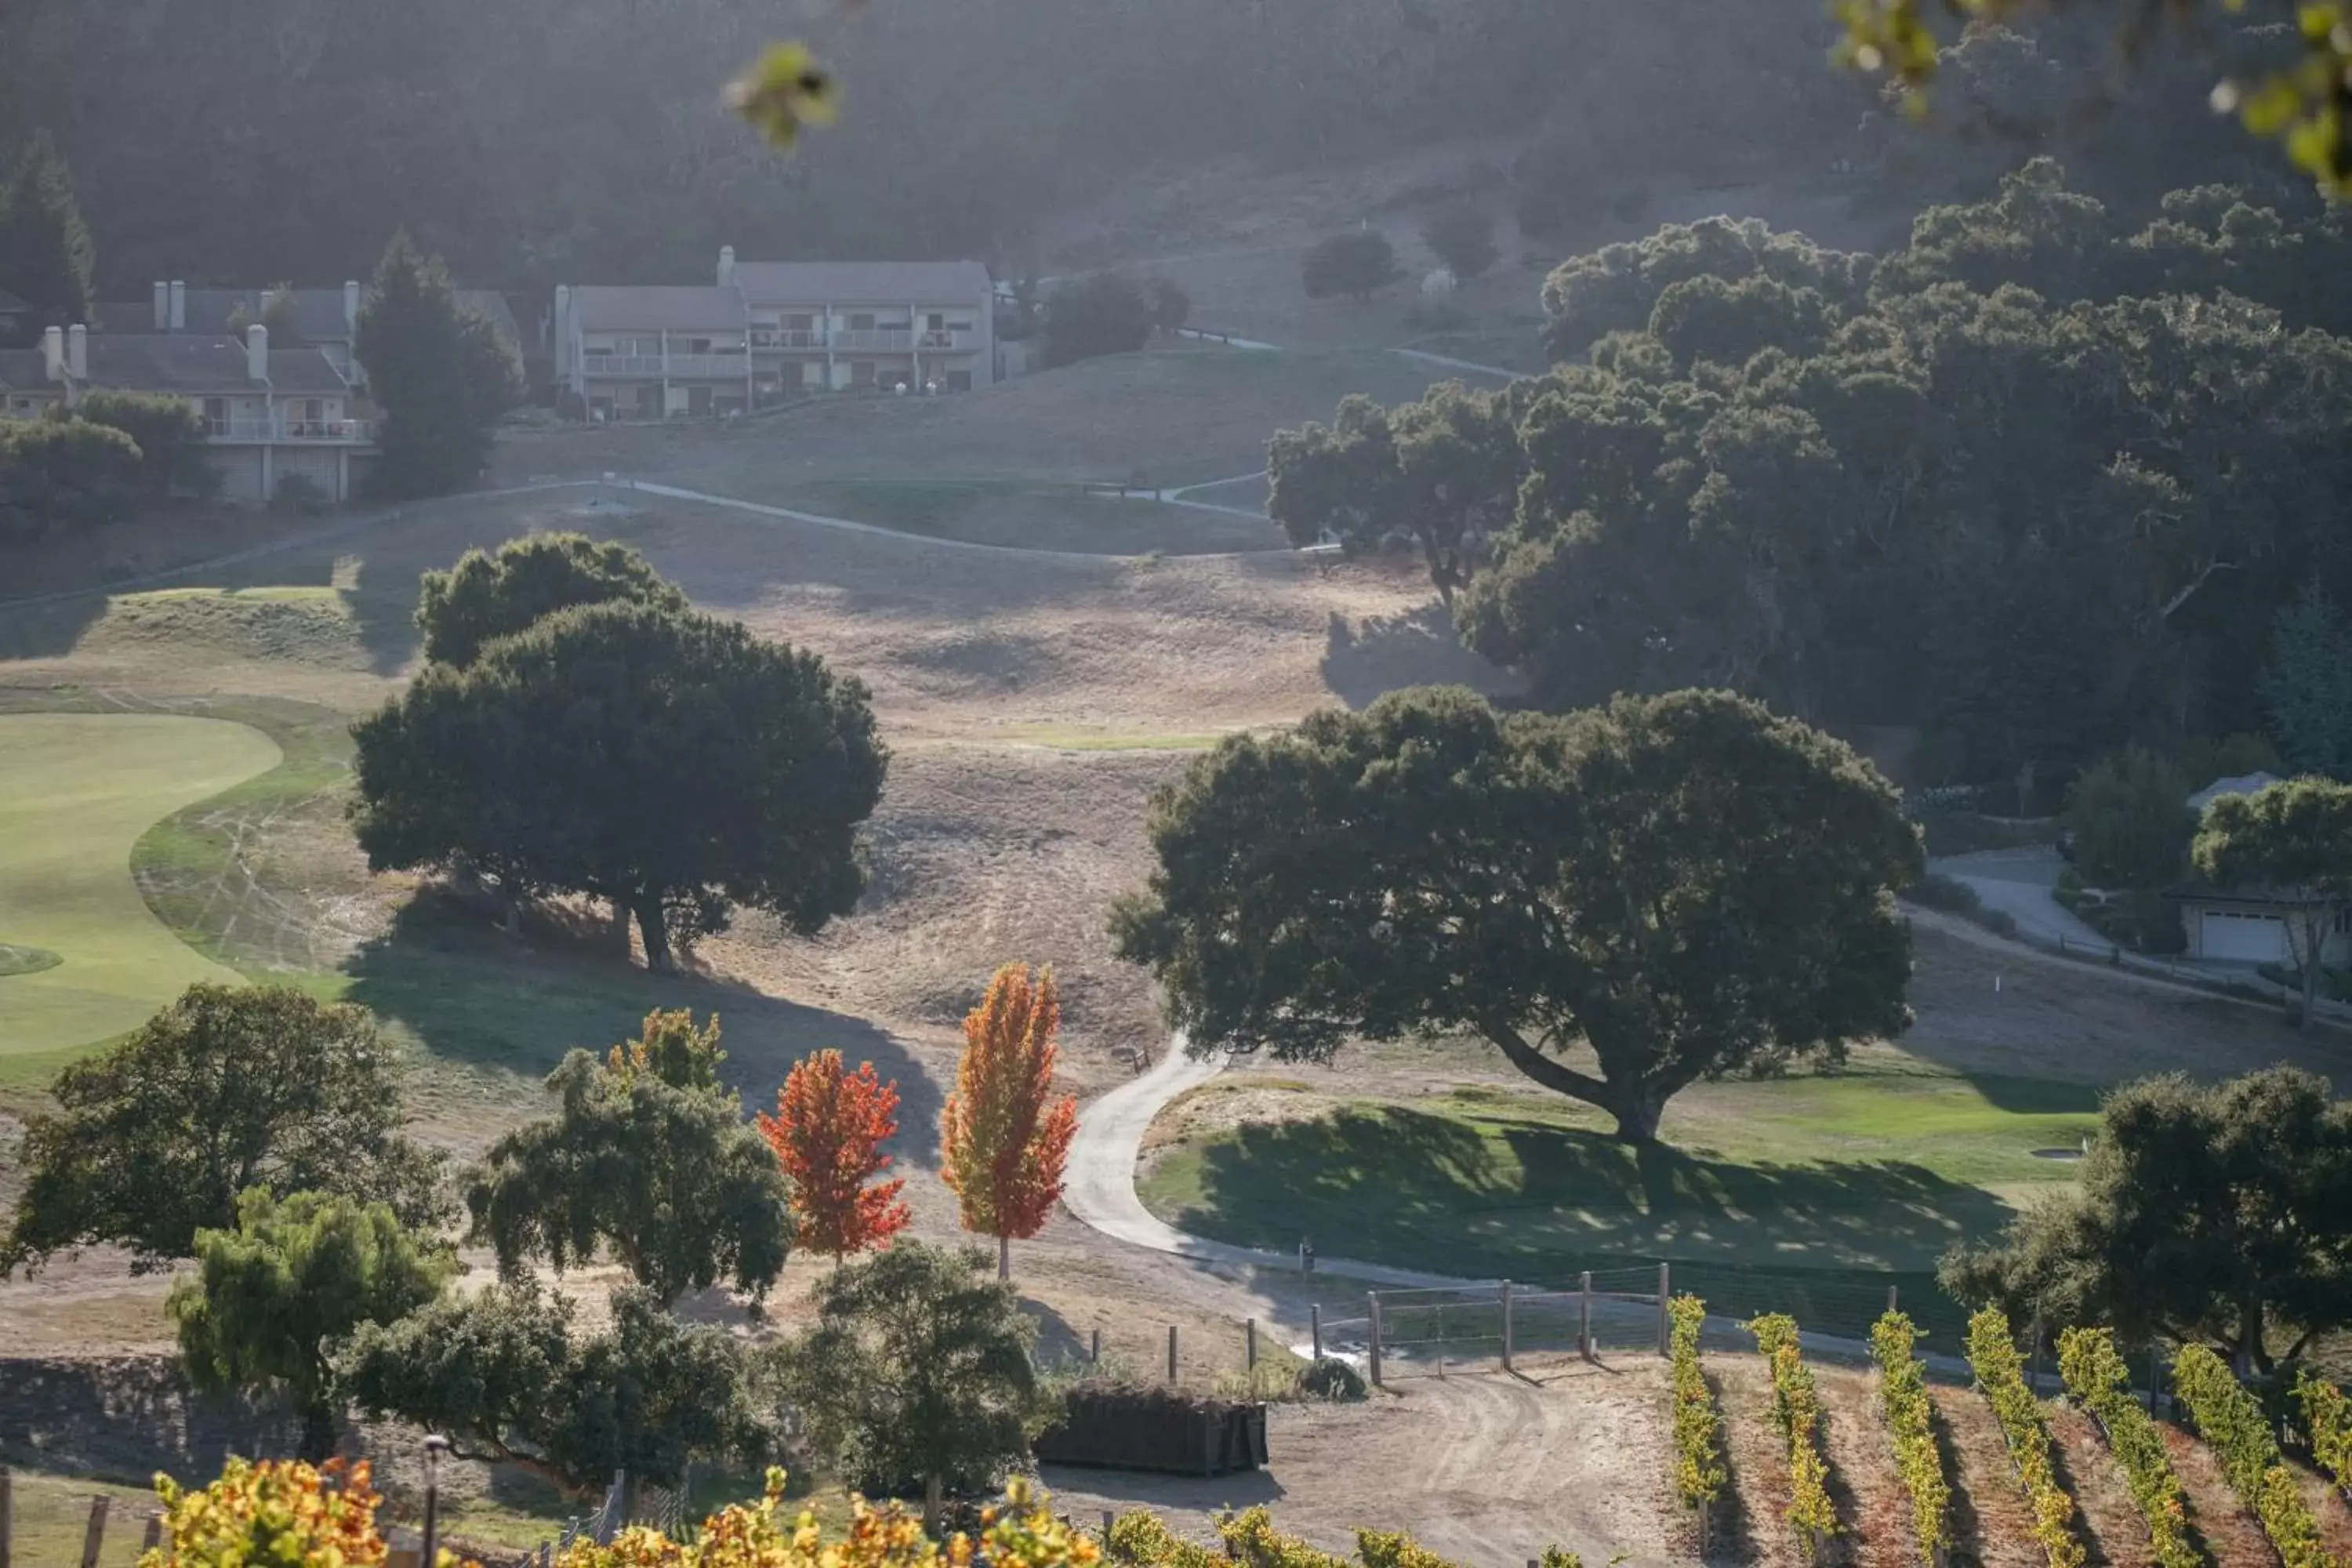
2243	938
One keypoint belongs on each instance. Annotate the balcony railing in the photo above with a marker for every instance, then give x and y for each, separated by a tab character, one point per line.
733	367
862	340
348	432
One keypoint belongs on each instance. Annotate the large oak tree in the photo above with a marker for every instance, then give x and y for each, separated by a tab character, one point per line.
1622	902
673	763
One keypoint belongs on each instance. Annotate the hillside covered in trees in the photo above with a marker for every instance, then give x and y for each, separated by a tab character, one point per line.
2038	485
525	140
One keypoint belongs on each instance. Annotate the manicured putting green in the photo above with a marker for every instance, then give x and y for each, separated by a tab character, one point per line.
76	790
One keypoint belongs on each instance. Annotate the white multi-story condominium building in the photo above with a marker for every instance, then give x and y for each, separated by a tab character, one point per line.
268	412
765	332
837	326
652	351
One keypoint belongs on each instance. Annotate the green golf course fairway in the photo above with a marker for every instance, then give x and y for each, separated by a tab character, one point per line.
76	790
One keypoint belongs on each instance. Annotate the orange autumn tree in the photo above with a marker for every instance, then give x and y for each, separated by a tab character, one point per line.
827	1132
1003	1137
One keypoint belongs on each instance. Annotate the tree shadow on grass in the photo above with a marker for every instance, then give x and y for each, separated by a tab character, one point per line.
125	1417
483	1006
48	630
1533	1200
1385	653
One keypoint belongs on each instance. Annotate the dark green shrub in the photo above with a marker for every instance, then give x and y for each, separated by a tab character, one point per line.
1331	1378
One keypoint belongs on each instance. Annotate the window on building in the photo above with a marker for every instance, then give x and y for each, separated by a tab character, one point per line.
802	323
863	322
958	380
936	321
2344	921
861	371
697	400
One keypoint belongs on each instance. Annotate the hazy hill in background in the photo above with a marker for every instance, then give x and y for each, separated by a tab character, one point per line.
526	139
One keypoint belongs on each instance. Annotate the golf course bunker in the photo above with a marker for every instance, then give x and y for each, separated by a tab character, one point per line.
77	791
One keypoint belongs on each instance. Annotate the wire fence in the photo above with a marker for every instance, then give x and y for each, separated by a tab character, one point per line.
1417	1332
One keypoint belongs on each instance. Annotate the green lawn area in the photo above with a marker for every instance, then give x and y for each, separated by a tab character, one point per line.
482	1019
1811	1192
77	792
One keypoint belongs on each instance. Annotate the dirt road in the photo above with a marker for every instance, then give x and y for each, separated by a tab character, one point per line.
1487	1468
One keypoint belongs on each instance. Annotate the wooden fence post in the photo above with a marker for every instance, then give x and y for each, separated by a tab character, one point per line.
1584	1314
1171	1354
154	1536
1372	1298
2033	1366
1314	1327
7	1517
1665	1297
94	1536
1891	1298
1506	1294
1094	1348
1249	1351
1107	1517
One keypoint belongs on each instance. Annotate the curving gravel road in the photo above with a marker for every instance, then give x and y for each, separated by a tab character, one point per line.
1098	1182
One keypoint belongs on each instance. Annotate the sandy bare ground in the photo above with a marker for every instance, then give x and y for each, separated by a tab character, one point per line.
1484	1467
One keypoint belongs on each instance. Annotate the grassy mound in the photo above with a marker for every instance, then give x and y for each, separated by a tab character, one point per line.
17	959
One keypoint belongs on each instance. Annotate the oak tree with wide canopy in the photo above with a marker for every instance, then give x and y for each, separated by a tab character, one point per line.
674	763
1622	902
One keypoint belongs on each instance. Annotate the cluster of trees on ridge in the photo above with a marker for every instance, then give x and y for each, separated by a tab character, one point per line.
257	1131
2035	485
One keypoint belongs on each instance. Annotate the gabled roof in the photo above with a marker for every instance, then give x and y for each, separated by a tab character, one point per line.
863	283
606	308
25	370
175	362
308	370
206	312
188	362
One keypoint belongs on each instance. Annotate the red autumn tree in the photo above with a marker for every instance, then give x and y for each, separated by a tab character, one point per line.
1003	1137
827	1132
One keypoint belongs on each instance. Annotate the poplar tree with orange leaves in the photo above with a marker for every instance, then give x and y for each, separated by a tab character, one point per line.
1003	1137
827	1132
